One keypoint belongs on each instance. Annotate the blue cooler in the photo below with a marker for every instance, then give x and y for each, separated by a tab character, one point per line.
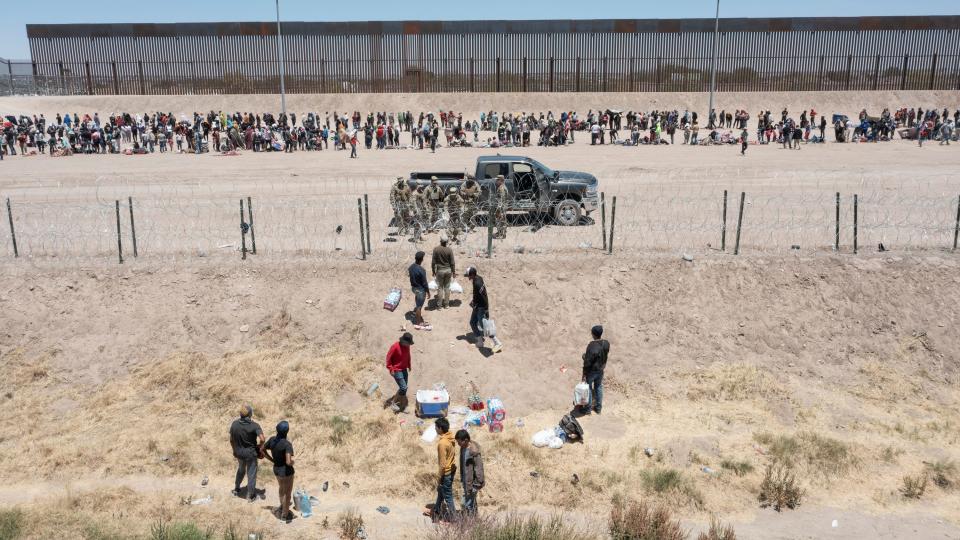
432	403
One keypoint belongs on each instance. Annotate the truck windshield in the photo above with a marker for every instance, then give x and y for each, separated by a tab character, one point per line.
544	170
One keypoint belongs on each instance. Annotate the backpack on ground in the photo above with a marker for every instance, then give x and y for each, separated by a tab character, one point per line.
572	428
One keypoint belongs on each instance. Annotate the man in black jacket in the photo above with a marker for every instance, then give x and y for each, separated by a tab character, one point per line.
481	309
246	439
594	362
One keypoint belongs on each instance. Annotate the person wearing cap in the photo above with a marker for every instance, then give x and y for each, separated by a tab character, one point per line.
399	200
421	290
481	309
281	455
594	362
246	439
470	193
443	266
434	196
398	364
454	205
501	212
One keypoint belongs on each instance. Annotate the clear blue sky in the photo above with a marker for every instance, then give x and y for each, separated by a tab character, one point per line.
15	14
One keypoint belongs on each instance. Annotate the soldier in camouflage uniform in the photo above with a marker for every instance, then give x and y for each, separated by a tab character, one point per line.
400	201
500	199
434	196
455	210
470	193
418	205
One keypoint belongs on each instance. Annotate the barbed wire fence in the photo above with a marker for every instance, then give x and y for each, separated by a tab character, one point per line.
677	213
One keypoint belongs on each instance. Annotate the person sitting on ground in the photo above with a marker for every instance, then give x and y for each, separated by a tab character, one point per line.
281	454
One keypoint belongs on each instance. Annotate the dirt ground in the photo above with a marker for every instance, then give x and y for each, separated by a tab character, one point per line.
120	380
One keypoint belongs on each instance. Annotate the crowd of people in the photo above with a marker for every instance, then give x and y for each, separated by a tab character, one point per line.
225	132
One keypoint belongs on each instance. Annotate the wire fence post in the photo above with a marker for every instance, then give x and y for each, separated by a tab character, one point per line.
956	228
736	247
613	222
603	219
723	226
133	228
836	229
119	242
854	223
253	235
490	212
243	234
16	253
366	212
363	246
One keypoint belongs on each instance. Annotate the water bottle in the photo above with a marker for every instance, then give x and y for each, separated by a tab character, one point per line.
306	509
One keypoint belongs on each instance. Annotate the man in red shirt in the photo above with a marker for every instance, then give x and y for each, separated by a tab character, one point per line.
398	364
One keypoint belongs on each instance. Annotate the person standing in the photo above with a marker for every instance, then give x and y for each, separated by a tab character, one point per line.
246	439
594	362
421	291
454	206
444	509
471	471
281	454
443	266
400	201
398	364
481	309
501	212
434	196
743	142
470	193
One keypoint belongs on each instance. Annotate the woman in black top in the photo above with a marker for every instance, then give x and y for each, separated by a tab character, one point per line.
281	454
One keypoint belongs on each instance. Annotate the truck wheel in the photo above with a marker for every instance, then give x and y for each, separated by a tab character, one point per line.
567	213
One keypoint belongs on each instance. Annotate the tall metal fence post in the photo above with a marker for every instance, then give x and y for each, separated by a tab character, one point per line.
119	242
956	228
133	228
116	81
933	71
16	253
603	219
89	80
723	226
253	235
836	230
736	247
243	234
363	247
613	222
140	76
490	211
366	212
854	223
10	73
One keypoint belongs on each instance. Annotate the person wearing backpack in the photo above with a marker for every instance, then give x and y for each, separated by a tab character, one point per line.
594	362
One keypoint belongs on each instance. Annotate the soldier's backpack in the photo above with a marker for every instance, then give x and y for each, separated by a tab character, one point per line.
572	428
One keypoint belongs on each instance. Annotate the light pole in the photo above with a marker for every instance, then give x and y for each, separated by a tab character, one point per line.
713	71
283	89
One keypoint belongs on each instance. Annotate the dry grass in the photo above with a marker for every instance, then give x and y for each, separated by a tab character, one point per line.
737	467
512	527
914	487
718	531
943	473
732	382
822	456
638	521
350	524
779	488
11	524
673	485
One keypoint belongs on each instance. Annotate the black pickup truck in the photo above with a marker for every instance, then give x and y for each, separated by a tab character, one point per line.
534	188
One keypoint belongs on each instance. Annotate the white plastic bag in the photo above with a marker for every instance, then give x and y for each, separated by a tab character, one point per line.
489	328
555	443
581	395
432	285
456	288
542	438
429	434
